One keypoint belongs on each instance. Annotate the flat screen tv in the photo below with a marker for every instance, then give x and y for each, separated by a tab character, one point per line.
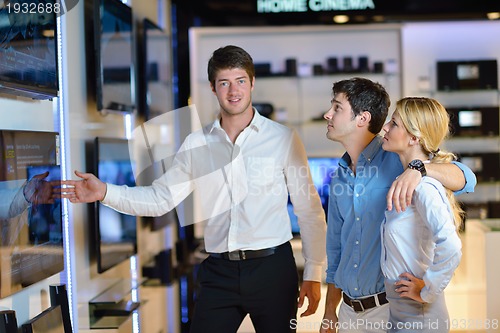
28	49
474	121
110	54
48	321
146	178
30	218
8	321
155	71
115	233
322	170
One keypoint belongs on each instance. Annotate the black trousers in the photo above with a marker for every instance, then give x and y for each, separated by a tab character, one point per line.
265	288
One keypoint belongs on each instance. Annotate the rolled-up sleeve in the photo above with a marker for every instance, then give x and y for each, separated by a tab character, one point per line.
470	178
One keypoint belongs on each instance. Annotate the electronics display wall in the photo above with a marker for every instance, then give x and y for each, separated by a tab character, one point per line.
154	70
31	239
110	55
28	51
115	233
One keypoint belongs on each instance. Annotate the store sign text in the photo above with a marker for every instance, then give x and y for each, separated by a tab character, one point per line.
284	6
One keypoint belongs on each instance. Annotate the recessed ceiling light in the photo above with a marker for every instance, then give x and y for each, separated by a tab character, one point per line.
341	19
493	15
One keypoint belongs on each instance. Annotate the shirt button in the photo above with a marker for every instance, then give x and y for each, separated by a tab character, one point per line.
357	218
355	265
357	242
357	195
356	289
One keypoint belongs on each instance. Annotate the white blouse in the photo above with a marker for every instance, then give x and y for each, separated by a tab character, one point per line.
422	240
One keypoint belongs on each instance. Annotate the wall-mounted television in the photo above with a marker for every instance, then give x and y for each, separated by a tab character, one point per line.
155	89
146	178
474	121
28	49
31	234
115	233
8	321
467	75
484	165
48	321
110	57
322	171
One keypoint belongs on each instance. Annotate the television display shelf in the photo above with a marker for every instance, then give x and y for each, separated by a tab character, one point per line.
111	308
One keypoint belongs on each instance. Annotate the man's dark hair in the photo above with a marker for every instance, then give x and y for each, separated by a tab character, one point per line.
229	57
366	95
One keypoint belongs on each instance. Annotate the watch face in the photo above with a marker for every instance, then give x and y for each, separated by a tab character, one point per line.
417	164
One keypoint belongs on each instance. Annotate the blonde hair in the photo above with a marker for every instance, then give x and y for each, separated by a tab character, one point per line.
427	119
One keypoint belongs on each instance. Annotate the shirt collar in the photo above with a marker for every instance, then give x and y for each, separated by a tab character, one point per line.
368	153
255	124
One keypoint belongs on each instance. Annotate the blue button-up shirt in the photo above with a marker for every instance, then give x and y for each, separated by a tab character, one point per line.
355	212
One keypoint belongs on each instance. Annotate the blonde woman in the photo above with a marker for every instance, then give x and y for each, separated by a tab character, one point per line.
420	246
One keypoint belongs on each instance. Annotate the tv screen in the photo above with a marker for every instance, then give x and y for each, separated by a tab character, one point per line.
8	321
28	49
113	52
115	232
322	170
146	178
155	71
474	121
30	218
48	321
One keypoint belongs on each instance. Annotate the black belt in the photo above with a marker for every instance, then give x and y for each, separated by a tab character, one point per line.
360	305
246	254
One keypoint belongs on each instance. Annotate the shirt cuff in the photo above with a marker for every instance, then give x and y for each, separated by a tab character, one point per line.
427	296
112	194
313	272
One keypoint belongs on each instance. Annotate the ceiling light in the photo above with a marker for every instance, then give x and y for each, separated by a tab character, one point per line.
493	15
341	19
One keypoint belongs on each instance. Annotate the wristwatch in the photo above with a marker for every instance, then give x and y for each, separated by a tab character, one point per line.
419	166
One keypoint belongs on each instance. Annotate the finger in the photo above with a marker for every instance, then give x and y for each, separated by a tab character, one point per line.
301	300
42	175
55	183
406	275
83	174
64	189
395	198
311	309
409	193
404	295
402	199
70	182
389	197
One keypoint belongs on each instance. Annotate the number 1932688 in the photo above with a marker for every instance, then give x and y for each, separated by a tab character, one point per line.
34	8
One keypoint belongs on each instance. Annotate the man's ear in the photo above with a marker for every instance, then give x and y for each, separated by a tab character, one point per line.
364	118
213	88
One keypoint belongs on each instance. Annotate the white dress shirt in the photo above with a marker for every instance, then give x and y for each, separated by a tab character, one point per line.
242	189
422	240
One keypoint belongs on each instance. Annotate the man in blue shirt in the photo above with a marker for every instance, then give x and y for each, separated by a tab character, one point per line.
363	187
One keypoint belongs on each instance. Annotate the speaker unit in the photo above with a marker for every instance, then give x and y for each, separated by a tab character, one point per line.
291	67
8	321
332	65
363	64
59	296
348	66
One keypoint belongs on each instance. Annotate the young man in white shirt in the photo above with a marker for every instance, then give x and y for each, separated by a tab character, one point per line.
251	268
